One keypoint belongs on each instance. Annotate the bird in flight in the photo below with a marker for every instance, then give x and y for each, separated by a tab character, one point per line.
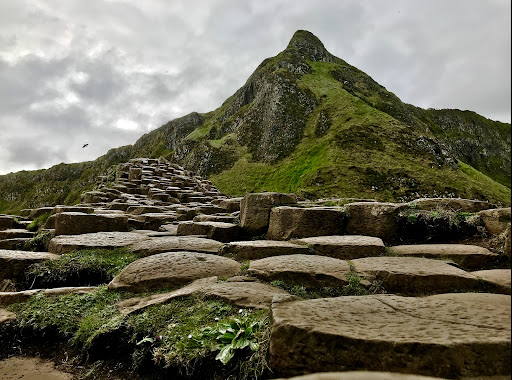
85	145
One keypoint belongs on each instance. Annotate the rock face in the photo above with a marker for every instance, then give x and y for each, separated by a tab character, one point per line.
6	222
172	269
259	249
308	270
75	223
373	219
447	335
413	275
344	247
467	256
255	210
293	222
456	204
500	278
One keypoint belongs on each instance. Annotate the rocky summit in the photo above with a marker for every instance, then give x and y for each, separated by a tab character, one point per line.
157	274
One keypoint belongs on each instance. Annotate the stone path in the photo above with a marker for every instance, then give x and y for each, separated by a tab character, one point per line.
429	316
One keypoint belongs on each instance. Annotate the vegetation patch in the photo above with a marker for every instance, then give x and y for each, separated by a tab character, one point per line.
78	268
38	222
190	337
40	242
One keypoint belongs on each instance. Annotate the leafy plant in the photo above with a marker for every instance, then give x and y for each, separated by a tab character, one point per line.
236	334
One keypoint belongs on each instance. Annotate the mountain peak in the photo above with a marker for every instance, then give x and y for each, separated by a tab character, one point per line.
310	46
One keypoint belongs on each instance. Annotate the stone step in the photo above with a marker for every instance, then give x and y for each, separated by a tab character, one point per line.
259	249
499	278
13	263
344	247
13	244
74	223
215	218
470	257
15	233
224	232
446	335
8	298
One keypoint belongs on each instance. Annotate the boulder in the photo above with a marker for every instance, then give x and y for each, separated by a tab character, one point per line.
14	263
373	219
496	220
293	222
162	244
467	256
497	278
259	249
255	210
446	335
415	275
75	223
224	232
239	293
308	270
172	269
103	240
344	247
455	204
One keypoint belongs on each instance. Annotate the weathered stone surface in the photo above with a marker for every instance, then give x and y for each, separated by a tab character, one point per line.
94	197
373	219
67	243
500	278
259	249
14	263
6	316
363	375
308	270
496	220
231	204
50	222
293	222
137	210
447	335
153	221
455	204
215	218
175	243
467	256
12	244
34	213
224	232
172	268
8	298
75	223
255	210
415	275
344	247
240	293
507	236
15	233
6	222
84	209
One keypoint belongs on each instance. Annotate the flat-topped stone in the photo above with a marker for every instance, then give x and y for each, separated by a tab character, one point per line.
308	270
13	244
344	247
36	212
215	218
377	219
224	232
14	233
142	209
363	375
496	220
14	263
255	209
293	222
446	335
231	204
61	208
467	256
500	278
6	222
412	275
259	249
75	223
240	293
162	244
105	240
171	269
8	298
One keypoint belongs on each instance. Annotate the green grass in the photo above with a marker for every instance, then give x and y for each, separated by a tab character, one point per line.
173	335
38	222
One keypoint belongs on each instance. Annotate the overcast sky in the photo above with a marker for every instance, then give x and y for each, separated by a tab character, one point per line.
106	72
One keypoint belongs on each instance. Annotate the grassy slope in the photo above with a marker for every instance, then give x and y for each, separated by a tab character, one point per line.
360	156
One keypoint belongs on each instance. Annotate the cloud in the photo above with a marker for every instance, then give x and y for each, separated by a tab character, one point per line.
105	72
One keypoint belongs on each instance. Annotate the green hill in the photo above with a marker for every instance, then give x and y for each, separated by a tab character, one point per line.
308	122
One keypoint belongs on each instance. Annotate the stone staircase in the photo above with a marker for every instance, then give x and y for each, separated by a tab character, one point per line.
355	286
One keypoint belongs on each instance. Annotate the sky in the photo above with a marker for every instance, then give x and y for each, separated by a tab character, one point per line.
103	73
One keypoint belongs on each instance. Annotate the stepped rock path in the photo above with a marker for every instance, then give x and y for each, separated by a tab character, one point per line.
354	292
